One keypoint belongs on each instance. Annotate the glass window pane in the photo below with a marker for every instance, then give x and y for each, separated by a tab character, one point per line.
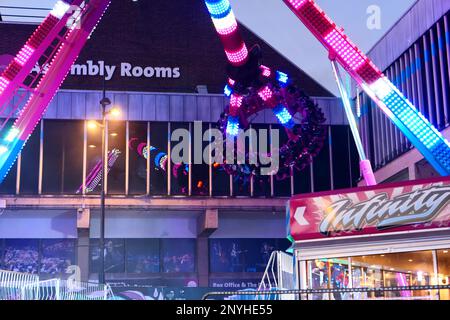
114	255
138	162
282	181
340	154
220	179
180	171
117	140
261	183
397	269
158	158
444	272
8	186
57	255
93	159
322	180
200	172
21	255
242	255
63	156
29	175
328	274
143	255
178	255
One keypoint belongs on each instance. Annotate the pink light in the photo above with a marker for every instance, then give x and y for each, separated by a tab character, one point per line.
239	56
265	93
231	82
228	30
297	3
24	54
236	101
266	72
349	53
3	84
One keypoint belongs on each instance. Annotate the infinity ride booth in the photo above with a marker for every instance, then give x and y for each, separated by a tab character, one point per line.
392	235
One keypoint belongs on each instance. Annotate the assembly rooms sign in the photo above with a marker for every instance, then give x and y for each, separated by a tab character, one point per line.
126	70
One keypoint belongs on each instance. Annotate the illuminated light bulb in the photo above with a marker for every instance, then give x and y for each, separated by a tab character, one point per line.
92	146
265	93
24	54
265	71
115	112
12	134
284	116
233	126
297	3
227	91
345	50
236	101
92	125
238	56
231	82
218	9
3	149
381	88
226	24
3	84
60	9
282	77
114	134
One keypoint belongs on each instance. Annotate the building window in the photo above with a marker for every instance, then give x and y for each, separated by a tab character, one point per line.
158	158
443	277
137	145
220	179
117	141
57	255
178	255
321	166
200	171
282	180
114	255
29	172
63	156
179	172
8	186
21	255
143	256
242	255
340	157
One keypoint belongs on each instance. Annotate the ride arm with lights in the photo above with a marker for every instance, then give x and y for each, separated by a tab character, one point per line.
422	134
62	59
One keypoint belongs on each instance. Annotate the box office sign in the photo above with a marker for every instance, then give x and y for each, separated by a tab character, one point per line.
415	205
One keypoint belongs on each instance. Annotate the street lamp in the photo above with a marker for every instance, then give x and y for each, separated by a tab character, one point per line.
115	112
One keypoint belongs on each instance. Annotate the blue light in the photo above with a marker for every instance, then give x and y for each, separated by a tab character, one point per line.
233	126
218	9
228	91
284	116
282	77
431	140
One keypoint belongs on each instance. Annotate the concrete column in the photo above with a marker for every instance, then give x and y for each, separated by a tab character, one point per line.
83	224
207	223
203	261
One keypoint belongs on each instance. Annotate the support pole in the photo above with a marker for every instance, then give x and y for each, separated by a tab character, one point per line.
364	164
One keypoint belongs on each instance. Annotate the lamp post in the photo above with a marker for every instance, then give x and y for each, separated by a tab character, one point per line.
114	112
104	103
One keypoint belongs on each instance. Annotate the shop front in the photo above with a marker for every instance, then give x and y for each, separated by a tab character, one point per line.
393	235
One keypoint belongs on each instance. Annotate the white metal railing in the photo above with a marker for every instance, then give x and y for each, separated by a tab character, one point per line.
279	274
12	284
58	289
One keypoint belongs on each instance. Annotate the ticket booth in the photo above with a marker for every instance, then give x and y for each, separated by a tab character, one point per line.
383	236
